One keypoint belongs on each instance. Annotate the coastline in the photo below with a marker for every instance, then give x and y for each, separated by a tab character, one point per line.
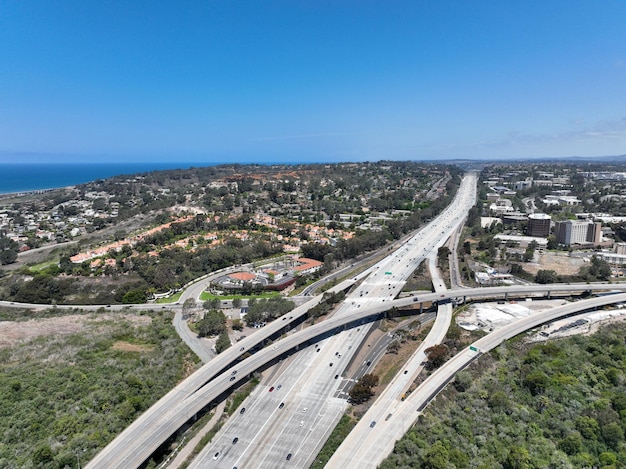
19	179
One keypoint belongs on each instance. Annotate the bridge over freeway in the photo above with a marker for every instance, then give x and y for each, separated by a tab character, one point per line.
155	426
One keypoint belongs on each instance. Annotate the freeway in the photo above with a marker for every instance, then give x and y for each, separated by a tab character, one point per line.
385	280
135	444
367	446
317	372
372	296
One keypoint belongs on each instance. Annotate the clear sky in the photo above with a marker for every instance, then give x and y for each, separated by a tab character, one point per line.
311	80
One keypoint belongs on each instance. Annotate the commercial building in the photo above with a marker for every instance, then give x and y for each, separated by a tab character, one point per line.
578	232
539	224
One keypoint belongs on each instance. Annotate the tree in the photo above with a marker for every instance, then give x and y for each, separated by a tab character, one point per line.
213	303
600	268
188	305
530	251
362	390
369	380
437	355
546	276
518	458
222	343
213	323
135	297
436	457
442	254
236	302
8	250
393	347
360	393
237	325
467	247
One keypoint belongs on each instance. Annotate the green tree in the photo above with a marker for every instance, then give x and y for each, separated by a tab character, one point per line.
613	434
546	276
213	323
222	342
436	457
188	305
135	297
518	458
8	250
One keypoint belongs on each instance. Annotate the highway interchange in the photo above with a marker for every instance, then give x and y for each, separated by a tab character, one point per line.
293	435
291	413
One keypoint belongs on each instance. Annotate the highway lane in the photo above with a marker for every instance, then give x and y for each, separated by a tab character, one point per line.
153	430
366	448
135	444
379	285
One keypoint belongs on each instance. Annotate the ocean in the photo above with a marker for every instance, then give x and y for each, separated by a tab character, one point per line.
32	177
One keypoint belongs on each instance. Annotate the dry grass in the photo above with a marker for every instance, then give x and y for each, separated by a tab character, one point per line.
14	332
128	347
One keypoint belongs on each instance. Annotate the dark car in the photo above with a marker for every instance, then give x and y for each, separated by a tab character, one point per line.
288	456
232	378
235	440
373	424
272	388
282	404
243	409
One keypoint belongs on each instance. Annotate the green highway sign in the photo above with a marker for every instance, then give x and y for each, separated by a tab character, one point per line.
473	349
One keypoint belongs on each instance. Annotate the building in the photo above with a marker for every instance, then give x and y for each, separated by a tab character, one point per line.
578	232
620	248
522	241
539	224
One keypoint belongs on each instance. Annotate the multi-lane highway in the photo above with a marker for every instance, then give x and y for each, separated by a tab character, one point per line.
367	446
307	383
375	291
315	377
137	442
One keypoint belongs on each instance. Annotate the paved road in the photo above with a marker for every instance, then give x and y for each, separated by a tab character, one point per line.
135	444
366	446
318	373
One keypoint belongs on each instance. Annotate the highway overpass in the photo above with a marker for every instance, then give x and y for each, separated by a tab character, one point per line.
135	444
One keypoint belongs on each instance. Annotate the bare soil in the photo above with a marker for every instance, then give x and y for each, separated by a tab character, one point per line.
13	333
128	347
560	262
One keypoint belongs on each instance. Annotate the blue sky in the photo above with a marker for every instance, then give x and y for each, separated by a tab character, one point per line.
300	80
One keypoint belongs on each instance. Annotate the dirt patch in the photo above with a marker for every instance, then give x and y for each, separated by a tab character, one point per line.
560	262
128	347
15	332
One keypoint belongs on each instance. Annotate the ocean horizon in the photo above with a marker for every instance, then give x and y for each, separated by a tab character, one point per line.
27	177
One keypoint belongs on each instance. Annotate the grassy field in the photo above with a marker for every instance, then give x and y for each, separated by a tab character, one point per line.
70	391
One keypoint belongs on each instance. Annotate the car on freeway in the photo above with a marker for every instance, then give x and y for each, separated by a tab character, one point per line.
288	456
217	455
272	388
232	378
279	386
243	409
304	410
373	424
282	404
302	423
